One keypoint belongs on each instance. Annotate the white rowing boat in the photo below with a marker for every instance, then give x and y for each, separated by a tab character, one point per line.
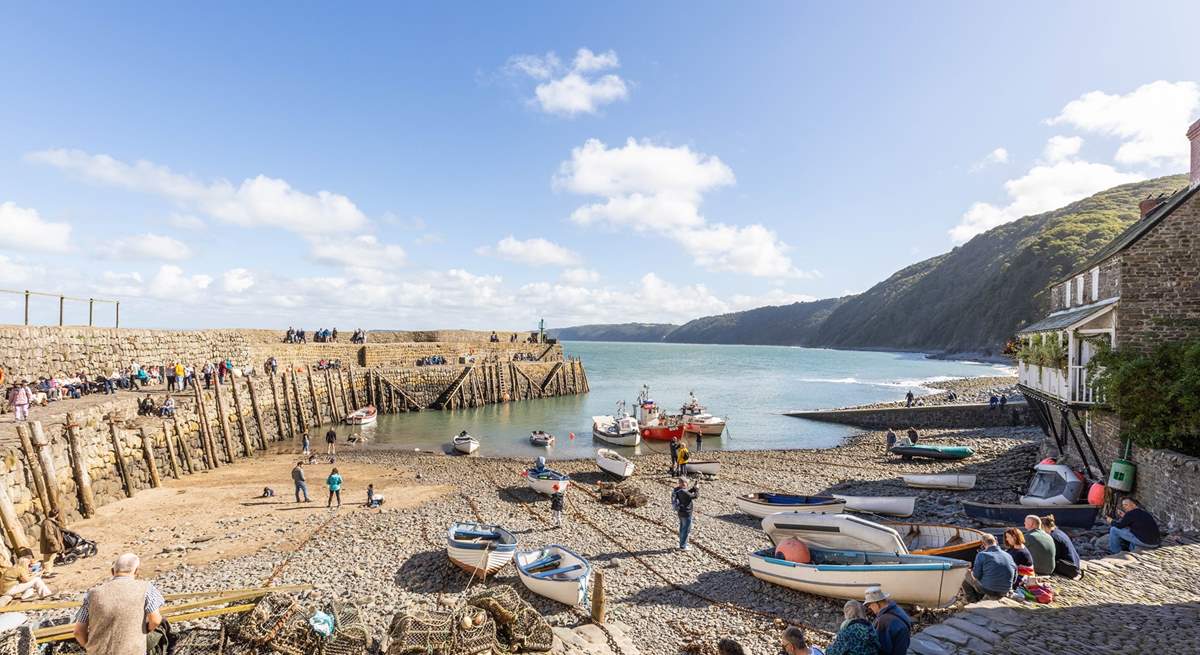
849	532
478	548
546	480
705	468
556	572
889	505
613	462
465	443
540	438
364	416
765	503
620	430
951	481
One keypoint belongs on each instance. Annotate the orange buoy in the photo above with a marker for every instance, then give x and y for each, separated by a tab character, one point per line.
1096	494
793	550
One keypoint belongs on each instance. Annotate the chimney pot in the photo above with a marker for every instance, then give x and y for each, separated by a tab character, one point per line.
1193	135
1149	204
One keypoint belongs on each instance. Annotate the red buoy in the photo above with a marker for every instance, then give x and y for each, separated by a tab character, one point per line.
1096	494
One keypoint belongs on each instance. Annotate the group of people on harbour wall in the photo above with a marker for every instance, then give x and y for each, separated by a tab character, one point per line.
322	335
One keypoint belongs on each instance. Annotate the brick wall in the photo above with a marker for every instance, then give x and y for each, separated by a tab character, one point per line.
1160	282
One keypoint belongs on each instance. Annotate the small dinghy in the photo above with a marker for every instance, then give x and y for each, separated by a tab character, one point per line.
848	532
1071	516
704	468
546	480
478	548
364	416
539	438
846	574
933	451
889	505
766	503
951	481
465	443
556	572
611	461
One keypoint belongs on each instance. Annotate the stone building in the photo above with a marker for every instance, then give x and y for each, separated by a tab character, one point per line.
1140	290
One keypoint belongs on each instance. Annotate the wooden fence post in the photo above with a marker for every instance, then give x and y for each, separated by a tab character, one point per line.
34	469
205	430
151	461
119	455
353	391
171	458
312	392
46	455
279	433
185	449
241	418
341	378
79	467
223	416
330	398
599	606
299	405
258	421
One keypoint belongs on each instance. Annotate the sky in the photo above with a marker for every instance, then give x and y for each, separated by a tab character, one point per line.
409	166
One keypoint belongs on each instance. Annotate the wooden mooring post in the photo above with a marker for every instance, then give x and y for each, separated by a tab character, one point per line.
223	419
172	460
206	440
241	418
599	605
33	468
341	380
12	525
151	461
353	391
312	392
280	435
46	457
299	406
119	454
187	450
258	420
330	398
79	469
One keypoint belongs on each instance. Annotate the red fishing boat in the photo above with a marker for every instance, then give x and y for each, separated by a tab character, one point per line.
653	423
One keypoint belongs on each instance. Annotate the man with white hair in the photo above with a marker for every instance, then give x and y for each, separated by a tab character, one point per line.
120	616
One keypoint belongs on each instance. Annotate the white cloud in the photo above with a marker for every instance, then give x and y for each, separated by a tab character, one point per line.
119	284
578	90
15	272
236	280
997	156
185	222
532	252
654	188
579	276
1043	188
1061	147
254	202
170	283
364	251
1149	121
25	229
144	246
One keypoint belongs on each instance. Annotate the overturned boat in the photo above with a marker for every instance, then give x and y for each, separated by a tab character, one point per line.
932	451
948	481
556	572
1072	516
902	506
610	461
765	503
479	548
702	468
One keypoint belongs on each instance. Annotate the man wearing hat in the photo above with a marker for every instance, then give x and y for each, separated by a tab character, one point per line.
892	624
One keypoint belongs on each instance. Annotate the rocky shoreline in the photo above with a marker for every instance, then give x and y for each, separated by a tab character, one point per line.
390	559
966	390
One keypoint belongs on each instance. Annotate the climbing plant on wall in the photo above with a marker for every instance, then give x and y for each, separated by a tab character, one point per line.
1156	394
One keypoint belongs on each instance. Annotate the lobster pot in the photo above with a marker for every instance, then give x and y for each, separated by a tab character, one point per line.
1120	477
420	632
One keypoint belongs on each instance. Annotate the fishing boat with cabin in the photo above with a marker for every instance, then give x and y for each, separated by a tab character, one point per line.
621	429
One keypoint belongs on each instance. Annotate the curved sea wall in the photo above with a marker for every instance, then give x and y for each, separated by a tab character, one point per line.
926	417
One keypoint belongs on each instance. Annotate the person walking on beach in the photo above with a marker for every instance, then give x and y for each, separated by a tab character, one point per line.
681	500
556	507
681	457
300	482
306	443
51	541
20	397
121	616
334	482
331	442
908	398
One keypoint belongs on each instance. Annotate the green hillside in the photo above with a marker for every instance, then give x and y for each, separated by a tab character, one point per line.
969	300
614	332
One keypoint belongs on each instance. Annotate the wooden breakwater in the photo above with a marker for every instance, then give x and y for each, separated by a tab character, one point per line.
925	417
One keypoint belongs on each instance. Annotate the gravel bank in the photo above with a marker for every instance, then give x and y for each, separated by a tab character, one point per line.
967	390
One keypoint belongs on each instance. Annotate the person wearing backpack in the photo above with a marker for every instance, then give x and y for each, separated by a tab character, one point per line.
556	507
681	501
674	455
681	457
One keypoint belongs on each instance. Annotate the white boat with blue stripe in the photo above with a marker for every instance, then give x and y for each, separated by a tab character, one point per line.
546	480
556	572
479	548
910	579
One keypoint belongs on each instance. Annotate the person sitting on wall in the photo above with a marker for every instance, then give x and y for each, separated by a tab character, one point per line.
168	408
1003	401
993	573
993	401
1066	558
1040	545
146	406
1134	528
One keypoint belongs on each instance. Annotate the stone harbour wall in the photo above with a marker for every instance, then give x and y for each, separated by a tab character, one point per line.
925	417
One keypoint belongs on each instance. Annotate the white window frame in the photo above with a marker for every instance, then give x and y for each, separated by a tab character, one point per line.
1095	284
1079	290
1067	294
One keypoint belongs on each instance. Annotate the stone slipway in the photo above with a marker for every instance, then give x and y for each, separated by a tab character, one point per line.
925	417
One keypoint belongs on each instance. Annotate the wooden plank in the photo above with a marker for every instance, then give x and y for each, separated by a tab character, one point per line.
79	468
213	596
247	446
34	469
46	457
119	454
258	421
50	637
172	460
151	463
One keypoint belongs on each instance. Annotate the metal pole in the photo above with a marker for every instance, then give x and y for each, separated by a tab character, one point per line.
27	307
91	305
118	314
61	301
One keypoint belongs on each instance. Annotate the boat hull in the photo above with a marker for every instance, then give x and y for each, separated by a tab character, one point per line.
548	485
909	579
616	465
760	508
708	429
570	588
704	468
951	481
888	505
1072	516
364	416
541	440
662	432
480	558
626	439
932	452
466	447
941	540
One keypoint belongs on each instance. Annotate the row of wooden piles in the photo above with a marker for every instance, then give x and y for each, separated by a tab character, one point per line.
489	383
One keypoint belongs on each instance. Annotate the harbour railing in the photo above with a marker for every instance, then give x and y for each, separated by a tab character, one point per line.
62	302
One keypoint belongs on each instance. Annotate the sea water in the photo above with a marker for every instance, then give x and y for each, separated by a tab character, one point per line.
750	385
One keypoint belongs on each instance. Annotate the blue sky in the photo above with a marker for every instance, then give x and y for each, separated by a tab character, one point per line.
380	165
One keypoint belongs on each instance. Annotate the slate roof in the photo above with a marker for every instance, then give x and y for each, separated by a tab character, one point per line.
1063	320
1137	230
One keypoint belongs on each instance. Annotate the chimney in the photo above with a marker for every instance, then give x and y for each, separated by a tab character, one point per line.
1149	204
1193	135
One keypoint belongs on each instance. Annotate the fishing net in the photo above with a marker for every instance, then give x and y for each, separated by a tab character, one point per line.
496	620
278	624
627	495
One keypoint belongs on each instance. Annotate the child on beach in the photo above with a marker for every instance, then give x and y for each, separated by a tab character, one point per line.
556	507
373	499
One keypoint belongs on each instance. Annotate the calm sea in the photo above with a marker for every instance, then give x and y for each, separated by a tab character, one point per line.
751	385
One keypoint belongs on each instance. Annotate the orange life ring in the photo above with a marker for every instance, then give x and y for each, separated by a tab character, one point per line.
645	433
